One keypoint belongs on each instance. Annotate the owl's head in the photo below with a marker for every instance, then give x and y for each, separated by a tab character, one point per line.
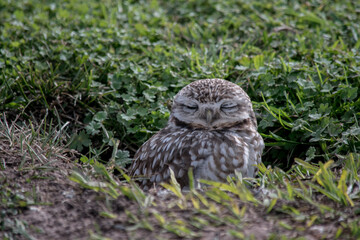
211	104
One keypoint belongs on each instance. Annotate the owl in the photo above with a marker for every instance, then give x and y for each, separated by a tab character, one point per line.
212	129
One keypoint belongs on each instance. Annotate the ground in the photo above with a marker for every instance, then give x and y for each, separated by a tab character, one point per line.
44	201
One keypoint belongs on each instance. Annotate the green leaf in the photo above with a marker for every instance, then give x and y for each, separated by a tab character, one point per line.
310	153
100	116
79	141
258	61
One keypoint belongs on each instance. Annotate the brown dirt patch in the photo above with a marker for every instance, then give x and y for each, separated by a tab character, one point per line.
42	203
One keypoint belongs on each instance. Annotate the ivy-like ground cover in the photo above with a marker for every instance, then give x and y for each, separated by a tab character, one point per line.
104	73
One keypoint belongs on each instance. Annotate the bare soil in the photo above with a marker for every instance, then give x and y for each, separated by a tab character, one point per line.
53	207
47	205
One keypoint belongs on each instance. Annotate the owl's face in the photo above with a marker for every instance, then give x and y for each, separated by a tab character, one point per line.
211	104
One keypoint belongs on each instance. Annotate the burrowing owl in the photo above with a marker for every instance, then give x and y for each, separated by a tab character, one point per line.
212	129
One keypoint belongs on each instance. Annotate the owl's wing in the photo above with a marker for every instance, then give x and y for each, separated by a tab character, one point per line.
166	149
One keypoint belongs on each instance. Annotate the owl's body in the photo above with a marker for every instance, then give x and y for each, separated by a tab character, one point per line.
212	129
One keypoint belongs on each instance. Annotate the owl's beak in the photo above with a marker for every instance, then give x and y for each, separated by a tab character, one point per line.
209	115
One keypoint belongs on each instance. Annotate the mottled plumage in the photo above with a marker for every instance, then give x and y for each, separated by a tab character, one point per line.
212	128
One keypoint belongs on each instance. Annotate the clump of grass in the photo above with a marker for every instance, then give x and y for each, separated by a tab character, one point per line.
307	197
25	149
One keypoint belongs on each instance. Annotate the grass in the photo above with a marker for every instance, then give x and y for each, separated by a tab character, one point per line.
98	78
25	153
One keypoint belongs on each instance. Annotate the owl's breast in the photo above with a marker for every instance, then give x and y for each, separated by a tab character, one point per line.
217	154
213	155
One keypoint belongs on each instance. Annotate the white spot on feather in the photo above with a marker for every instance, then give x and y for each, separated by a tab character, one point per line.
152	154
181	172
246	154
196	163
143	169
201	151
153	164
168	146
211	162
192	156
211	176
223	147
158	178
223	175
235	162
231	152
166	174
172	151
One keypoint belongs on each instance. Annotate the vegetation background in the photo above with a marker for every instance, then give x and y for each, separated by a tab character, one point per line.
97	77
